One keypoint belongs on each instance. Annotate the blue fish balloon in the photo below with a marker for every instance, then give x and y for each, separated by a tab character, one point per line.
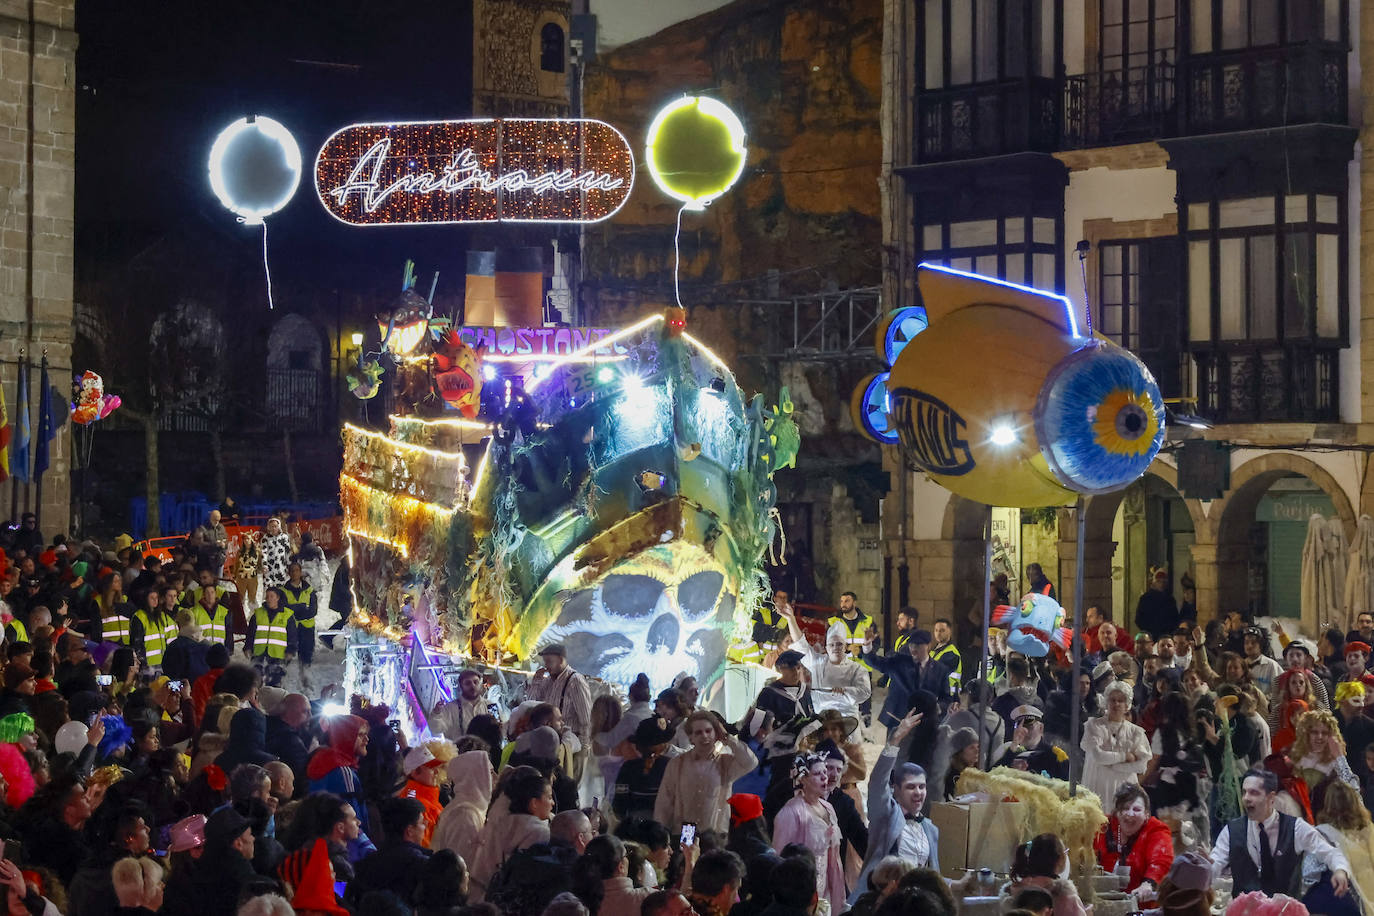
1034	626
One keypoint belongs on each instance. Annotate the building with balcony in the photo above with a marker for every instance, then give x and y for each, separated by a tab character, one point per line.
1211	153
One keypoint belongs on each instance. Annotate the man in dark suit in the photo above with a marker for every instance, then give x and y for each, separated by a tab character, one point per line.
916	682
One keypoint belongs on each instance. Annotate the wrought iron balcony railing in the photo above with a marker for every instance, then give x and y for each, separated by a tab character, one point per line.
1272	384
988	119
1246	89
1120	106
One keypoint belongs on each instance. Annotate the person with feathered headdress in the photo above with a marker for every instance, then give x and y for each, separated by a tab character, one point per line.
810	820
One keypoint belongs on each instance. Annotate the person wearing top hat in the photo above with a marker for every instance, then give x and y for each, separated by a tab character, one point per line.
557	683
1264	850
896	800
1028	750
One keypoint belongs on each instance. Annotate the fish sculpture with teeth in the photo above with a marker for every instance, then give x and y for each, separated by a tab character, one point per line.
1035	626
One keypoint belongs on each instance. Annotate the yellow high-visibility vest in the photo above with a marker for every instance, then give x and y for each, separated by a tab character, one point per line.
114	626
298	600
269	639
158	631
215	629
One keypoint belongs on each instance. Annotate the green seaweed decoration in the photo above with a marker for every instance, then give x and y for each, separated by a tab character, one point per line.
782	430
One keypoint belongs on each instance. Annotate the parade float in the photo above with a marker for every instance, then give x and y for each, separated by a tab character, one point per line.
607	490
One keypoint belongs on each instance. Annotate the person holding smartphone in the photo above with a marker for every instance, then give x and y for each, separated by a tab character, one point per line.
696	784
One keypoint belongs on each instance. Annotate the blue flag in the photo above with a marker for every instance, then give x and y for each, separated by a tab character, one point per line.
45	425
19	448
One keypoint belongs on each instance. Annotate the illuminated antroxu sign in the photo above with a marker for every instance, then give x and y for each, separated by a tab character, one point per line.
478	171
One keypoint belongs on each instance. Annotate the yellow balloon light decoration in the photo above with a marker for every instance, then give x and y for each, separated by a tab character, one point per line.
695	150
998	398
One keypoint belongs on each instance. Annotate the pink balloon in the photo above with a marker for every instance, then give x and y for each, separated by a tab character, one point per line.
109	404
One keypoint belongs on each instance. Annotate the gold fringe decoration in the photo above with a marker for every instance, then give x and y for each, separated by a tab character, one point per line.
412	526
1075	820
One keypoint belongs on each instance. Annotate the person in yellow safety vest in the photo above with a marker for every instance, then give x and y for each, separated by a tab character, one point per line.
945	652
855	622
907	620
8	581
769	625
206	578
153	629
299	596
216	623
114	610
272	629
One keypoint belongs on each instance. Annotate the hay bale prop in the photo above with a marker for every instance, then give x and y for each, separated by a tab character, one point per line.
1049	808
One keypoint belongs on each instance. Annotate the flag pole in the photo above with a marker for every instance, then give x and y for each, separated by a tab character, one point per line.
44	421
14	481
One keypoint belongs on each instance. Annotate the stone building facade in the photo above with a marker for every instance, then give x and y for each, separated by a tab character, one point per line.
37	177
1215	156
520	58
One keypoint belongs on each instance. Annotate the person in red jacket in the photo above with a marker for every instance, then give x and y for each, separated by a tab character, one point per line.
204	687
1133	838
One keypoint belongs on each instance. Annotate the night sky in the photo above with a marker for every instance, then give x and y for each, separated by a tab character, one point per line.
157	81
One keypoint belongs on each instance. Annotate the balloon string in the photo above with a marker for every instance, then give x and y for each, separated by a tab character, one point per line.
266	268
677	257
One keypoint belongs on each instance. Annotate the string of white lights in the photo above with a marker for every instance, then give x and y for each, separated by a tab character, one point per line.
677	256
266	268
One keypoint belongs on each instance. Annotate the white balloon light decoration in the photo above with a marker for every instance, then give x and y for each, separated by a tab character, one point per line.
255	168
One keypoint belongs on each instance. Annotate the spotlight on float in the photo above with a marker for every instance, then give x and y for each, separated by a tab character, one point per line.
695	150
605	374
488	372
335	709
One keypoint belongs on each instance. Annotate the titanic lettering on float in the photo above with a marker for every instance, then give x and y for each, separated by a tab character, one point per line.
571	170
932	433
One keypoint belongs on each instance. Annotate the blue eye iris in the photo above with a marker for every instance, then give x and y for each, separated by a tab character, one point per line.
1100	419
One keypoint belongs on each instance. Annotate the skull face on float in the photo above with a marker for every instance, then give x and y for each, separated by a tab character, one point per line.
664	612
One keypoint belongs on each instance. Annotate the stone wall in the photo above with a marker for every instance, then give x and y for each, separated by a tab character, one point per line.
803	76
507	80
37	177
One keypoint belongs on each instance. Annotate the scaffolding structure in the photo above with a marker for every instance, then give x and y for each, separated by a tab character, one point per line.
837	325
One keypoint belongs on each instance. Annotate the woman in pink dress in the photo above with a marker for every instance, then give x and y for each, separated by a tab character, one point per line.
809	820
